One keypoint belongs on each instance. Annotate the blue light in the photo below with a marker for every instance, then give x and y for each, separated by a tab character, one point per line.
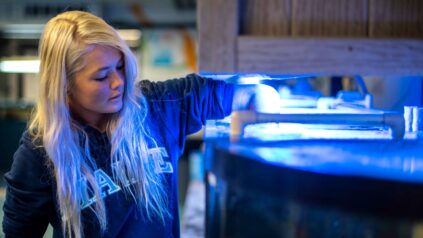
290	131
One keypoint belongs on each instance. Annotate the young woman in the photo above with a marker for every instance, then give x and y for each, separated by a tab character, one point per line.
99	158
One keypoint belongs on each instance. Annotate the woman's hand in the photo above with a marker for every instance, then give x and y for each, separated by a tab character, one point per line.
257	97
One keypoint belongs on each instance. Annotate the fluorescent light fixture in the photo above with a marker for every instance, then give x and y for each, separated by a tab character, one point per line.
19	66
21	30
131	36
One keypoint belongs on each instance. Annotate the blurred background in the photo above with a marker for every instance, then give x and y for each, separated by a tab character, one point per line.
165	35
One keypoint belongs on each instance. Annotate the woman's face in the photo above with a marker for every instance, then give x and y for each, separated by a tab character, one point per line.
98	88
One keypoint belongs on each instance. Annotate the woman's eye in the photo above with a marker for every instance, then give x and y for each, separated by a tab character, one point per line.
101	78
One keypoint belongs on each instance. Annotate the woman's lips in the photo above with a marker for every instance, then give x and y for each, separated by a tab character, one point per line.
115	97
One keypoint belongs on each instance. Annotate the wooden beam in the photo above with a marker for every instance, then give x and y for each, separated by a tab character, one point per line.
328	56
218	30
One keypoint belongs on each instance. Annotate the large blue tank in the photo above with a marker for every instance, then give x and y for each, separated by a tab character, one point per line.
314	188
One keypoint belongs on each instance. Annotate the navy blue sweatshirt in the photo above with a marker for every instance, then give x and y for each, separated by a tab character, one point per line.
177	108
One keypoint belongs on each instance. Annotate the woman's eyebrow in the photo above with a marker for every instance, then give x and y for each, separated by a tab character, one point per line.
101	69
108	67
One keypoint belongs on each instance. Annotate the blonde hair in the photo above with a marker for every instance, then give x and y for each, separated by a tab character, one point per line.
63	45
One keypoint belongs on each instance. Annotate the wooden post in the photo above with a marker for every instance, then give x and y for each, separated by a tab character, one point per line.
218	30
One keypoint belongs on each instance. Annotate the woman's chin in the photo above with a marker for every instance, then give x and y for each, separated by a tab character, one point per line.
115	108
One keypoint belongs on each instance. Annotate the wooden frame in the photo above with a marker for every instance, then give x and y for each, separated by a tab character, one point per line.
224	49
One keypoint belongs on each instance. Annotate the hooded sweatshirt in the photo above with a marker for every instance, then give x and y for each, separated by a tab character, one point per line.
176	108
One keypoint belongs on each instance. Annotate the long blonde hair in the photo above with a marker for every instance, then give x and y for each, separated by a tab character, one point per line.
63	45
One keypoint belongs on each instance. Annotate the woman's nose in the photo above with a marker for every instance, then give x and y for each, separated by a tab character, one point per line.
117	80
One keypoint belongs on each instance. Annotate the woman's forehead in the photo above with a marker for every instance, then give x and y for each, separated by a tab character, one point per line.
101	56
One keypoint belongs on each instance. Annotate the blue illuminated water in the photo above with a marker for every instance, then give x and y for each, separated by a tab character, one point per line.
383	159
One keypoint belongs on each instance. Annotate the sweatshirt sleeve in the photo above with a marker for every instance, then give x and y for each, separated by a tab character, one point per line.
28	202
189	101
